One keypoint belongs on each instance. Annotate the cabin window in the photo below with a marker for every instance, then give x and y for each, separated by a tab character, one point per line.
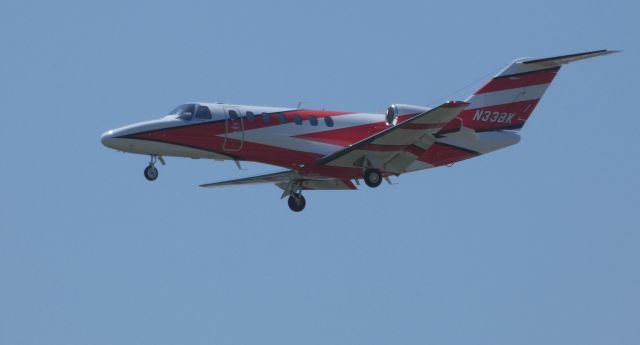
313	120
282	119
328	121
297	119
233	115
203	113
266	118
251	116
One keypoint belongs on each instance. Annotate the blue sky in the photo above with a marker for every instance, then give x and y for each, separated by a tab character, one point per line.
535	244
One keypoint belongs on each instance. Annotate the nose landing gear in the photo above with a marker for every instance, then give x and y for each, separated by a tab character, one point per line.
150	172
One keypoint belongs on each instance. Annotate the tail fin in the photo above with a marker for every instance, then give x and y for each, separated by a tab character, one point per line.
507	100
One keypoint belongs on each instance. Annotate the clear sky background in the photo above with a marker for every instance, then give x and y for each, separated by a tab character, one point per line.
534	244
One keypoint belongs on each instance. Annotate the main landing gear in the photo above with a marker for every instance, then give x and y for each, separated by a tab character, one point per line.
372	177
150	172
297	202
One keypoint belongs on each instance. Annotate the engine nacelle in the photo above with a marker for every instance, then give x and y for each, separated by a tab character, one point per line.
396	110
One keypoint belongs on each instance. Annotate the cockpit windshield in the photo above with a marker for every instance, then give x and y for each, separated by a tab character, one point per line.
184	111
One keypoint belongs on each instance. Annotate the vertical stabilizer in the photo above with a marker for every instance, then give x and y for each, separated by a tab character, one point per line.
507	100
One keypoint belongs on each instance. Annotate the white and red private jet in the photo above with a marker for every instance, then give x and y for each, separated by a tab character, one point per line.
333	149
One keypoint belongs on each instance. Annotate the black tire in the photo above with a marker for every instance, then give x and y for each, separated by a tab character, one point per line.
372	177
297	202
151	173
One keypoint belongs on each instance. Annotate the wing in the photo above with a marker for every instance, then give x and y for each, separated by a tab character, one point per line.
283	176
395	148
289	181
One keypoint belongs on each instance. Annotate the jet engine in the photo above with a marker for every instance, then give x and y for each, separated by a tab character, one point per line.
396	110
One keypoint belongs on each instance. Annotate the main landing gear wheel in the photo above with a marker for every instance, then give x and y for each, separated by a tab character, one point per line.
151	173
297	202
372	177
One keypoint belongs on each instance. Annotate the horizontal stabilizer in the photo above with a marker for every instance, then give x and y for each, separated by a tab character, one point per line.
563	59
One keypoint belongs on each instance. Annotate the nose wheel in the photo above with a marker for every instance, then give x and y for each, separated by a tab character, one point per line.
297	202
150	172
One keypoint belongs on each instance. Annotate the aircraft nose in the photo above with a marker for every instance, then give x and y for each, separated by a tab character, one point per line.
107	139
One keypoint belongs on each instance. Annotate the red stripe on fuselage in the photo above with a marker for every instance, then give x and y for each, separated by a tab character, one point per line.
203	138
345	136
349	135
197	135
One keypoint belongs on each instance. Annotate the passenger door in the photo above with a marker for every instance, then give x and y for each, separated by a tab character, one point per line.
233	129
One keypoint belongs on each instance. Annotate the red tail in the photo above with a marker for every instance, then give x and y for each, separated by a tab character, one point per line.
507	100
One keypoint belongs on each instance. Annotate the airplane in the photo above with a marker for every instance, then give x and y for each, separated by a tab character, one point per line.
334	150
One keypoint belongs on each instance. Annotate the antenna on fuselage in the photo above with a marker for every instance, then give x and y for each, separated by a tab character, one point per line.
300	103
